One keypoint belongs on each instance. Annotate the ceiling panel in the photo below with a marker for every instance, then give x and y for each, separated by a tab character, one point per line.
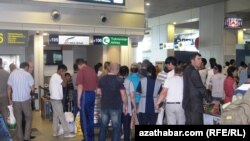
163	7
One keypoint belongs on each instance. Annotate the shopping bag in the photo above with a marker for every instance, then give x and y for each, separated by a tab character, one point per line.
72	126
78	124
69	116
11	121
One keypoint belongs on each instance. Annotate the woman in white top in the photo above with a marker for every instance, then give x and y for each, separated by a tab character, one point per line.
216	84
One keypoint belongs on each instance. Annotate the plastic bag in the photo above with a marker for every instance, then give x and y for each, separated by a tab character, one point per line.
11	119
69	116
78	124
72	126
71	123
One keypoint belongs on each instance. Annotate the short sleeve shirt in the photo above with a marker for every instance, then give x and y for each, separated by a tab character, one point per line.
110	86
55	87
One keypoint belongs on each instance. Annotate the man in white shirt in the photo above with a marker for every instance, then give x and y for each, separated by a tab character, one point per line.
170	63
20	84
173	93
56	96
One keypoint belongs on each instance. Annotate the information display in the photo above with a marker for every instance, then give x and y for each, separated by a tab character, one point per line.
13	38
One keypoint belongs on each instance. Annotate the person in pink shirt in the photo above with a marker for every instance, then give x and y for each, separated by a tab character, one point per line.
230	83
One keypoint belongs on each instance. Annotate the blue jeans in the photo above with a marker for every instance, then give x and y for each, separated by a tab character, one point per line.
115	116
87	115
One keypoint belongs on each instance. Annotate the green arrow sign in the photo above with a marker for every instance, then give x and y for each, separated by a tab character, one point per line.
115	40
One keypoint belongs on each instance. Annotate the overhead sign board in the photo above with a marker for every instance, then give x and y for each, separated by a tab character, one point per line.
110	40
186	42
73	40
68	40
13	38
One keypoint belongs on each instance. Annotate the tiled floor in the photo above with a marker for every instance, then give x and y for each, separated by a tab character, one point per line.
42	129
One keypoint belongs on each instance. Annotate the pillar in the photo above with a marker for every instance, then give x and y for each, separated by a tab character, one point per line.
240	36
212	35
170	38
38	61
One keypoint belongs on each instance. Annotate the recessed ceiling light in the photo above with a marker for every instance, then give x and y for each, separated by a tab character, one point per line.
45	34
147	3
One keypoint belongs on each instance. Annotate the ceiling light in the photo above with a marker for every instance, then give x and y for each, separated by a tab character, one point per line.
174	23
244	29
147	3
45	34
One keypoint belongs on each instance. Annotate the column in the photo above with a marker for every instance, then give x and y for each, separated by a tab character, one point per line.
38	60
240	36
213	37
170	32
127	57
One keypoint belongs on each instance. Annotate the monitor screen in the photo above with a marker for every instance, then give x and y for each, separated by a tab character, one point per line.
53	57
233	23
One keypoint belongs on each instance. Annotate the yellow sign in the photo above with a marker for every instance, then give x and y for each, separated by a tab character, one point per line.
16	38
1	38
13	38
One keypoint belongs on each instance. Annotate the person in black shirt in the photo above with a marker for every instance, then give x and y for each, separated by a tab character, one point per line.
113	97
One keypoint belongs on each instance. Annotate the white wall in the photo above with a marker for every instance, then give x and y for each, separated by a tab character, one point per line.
68	60
80	52
78	18
158	32
178	17
127	56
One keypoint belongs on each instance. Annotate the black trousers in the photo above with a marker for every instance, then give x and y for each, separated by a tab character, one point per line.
194	118
147	118
126	121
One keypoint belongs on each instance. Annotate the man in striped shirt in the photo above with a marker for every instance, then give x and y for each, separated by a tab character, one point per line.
162	76
21	83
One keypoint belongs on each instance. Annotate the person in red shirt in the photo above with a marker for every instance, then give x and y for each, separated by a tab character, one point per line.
230	83
86	82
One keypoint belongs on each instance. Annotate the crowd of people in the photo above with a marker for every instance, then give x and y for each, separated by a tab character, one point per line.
173	96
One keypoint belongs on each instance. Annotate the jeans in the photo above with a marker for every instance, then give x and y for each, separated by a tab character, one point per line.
87	115
115	116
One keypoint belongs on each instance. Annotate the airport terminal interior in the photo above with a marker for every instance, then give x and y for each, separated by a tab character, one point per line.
38	36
